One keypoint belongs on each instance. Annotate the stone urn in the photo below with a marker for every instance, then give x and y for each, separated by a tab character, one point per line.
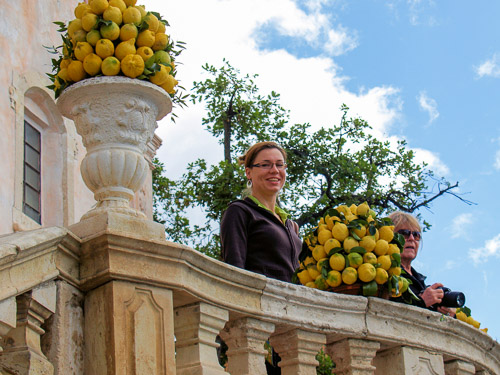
116	117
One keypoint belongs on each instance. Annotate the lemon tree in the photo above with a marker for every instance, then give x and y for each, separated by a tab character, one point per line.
352	245
116	37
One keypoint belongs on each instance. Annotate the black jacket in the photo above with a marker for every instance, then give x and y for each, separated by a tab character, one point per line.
254	239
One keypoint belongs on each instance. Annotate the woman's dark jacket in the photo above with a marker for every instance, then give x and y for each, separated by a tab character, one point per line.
254	239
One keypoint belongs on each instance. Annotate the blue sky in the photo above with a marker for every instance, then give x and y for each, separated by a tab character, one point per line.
424	71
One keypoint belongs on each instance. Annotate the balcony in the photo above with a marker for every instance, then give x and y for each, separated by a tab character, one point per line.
116	299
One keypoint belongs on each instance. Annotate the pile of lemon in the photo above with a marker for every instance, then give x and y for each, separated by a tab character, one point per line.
350	245
114	37
465	316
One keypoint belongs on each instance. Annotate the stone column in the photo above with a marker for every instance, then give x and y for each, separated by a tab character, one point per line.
458	367
245	339
297	349
8	309
22	353
408	360
196	328
353	356
129	330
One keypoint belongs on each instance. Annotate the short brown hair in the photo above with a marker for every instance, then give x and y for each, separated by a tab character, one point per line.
249	157
401	219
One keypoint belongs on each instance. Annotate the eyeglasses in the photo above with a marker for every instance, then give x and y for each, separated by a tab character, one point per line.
266	165
406	233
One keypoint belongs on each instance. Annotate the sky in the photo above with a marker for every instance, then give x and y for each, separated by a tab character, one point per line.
424	71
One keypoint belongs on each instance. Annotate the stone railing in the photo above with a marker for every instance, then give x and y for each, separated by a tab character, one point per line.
103	301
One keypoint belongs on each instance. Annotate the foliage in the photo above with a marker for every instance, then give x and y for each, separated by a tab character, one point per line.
326	168
326	365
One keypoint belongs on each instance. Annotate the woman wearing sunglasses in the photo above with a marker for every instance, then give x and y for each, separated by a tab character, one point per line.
408	226
256	234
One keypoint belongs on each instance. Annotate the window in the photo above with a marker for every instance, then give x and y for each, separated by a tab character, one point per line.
32	173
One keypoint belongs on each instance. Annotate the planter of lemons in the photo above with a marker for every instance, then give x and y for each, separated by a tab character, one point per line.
353	251
115	78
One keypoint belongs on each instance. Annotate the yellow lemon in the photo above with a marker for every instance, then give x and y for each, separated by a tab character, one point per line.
169	85
152	21
343	209
308	261
128	31
368	243
130	3
82	49
125	48
387	233
385	261
394	270
360	232
304	277
377	234
161	27
141	9
321	263
340	231
113	14
393	249
132	15
370	258
337	262
64	63
367	272
79	36
161	42
92	64
406	284
349	275
398	292
146	38
461	316
99	6
349	243
318	252
329	221
363	209
323	235
75	71
120	4
74	26
330	244
381	247
132	66
381	276
162	57
349	218
111	31
80	9
89	21
145	53
63	74
334	278
485	330
93	36
353	208
110	66
104	48
313	272
476	324
311	284
355	260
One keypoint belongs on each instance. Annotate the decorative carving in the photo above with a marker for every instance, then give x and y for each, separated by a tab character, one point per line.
116	117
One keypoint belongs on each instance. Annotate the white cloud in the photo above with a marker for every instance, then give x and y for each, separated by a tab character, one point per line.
428	105
459	225
433	161
497	160
340	41
491	248
489	68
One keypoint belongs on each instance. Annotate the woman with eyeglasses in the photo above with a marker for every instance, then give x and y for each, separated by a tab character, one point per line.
256	234
430	296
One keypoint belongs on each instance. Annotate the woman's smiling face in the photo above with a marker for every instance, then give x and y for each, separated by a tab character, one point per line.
267	181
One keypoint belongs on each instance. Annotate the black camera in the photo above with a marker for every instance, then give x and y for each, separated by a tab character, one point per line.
452	299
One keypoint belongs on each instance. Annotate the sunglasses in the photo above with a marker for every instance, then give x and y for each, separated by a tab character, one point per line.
406	233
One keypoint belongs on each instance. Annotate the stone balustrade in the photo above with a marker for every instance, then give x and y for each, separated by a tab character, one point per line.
100	300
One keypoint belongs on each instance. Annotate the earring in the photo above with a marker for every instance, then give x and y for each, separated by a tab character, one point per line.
249	184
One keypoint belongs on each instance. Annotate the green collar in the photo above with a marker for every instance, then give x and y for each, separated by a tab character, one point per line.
282	213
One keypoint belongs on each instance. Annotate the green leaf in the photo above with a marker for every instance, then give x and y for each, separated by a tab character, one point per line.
358	249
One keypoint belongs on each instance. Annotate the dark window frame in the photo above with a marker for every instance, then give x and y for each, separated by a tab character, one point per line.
32	166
